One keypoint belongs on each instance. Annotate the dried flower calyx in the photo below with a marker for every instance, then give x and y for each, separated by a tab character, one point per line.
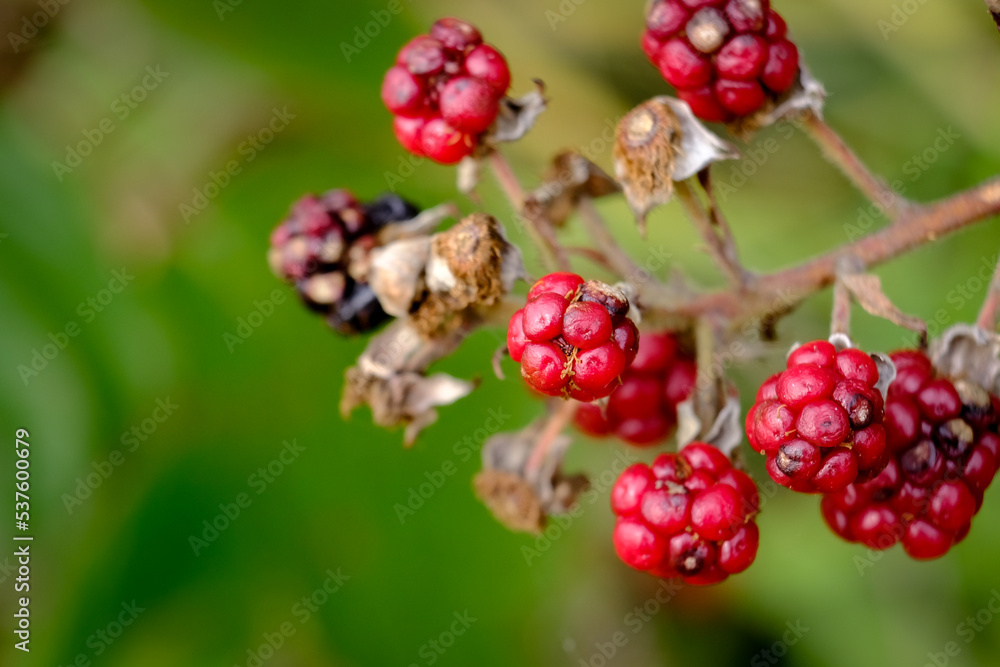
441	280
660	142
568	179
522	493
390	377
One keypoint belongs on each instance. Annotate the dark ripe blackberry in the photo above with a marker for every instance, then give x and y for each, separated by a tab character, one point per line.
358	311
324	247
389	208
954	438
921	463
977	408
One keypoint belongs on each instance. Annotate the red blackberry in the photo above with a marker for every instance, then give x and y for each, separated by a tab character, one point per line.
573	338
643	410
820	421
725	58
689	516
943	439
445	90
323	247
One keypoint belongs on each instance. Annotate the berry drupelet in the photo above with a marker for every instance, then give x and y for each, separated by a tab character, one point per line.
820	421
945	447
690	516
573	338
726	58
643	410
445	90
323	248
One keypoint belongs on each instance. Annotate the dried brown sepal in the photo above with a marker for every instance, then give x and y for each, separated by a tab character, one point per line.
807	96
966	352
866	288
569	177
994	7
442	280
511	500
390	377
519	496
660	142
646	145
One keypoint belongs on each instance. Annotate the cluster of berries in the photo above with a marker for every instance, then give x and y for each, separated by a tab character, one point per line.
726	58
945	450
643	410
445	90
324	249
690	516
820	421
573	338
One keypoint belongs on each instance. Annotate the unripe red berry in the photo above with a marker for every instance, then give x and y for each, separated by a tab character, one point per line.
442	143
941	460
726	58
689	516
468	104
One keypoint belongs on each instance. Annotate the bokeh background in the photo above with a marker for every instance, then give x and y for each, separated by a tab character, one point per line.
225	66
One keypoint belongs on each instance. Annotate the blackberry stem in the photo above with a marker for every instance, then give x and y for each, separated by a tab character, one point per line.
840	154
542	236
723	253
597	227
990	311
556	421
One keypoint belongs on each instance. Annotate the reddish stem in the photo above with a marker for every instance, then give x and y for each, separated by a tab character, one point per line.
778	293
839	153
555	423
990	311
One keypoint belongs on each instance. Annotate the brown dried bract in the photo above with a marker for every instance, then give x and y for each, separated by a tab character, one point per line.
569	177
511	500
647	144
390	377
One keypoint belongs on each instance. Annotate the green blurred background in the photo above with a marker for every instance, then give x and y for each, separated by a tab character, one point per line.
224	69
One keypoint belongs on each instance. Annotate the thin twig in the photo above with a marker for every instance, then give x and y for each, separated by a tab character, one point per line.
840	154
840	318
554	424
542	235
729	247
777	293
708	231
597	227
990	311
